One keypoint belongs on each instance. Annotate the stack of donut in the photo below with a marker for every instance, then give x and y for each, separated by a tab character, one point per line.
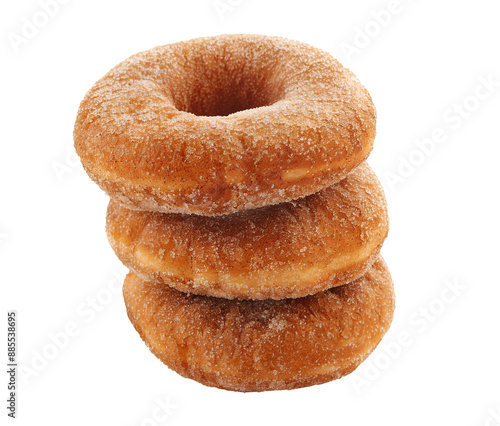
241	203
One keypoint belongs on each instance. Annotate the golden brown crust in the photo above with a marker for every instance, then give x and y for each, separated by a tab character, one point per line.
286	250
244	345
221	124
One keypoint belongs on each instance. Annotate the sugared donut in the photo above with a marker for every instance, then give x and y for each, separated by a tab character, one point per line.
246	345
220	124
287	250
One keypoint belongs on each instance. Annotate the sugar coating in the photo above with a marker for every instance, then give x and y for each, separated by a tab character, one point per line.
221	124
288	250
263	345
243	129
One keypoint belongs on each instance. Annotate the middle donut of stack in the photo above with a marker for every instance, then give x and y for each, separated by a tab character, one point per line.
280	251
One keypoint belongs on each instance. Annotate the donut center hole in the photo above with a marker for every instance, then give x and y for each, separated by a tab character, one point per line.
223	93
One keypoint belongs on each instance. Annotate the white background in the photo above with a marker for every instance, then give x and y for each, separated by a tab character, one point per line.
427	59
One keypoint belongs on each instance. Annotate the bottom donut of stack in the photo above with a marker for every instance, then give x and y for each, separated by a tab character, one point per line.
260	345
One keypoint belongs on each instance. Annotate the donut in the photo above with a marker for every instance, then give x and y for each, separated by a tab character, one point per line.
287	250
249	345
216	125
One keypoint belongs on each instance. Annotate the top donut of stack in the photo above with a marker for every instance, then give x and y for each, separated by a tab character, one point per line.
216	125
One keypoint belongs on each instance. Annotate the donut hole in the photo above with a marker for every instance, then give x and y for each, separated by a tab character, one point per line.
219	91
